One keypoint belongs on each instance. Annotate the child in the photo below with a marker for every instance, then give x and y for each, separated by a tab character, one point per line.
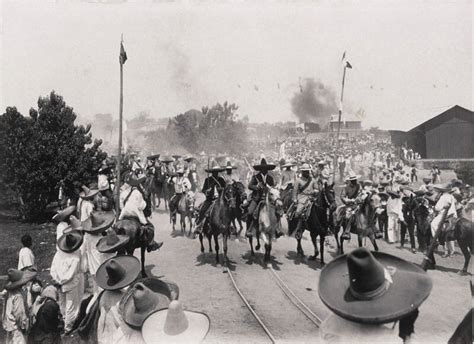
26	258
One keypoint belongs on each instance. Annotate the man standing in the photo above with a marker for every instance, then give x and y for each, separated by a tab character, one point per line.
181	186
213	186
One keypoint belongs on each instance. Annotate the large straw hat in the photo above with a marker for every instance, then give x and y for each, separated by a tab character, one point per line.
166	159
446	187
229	166
305	167
373	287
214	168
87	193
145	297
61	215
264	166
352	176
117	272
153	157
112	242
75	225
70	242
175	325
99	221
427	179
17	278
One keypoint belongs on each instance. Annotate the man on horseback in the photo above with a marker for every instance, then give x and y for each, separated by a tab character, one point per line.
322	173
287	180
258	185
228	177
181	186
213	186
305	189
349	196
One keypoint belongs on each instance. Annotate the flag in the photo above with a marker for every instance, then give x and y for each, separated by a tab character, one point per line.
348	65
343	56
123	54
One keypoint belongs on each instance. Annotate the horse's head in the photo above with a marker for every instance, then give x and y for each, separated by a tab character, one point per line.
190	200
273	196
329	196
229	195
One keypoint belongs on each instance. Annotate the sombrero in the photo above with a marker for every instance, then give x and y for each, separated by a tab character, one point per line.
112	242
446	187
263	166
322	162
145	297
87	193
75	225
427	179
228	166
352	176
287	164
305	167
176	156
61	215
393	194
99	221
367	182
117	272
406	188
17	278
166	159
384	183
214	168
70	241
175	325
373	287
188	158
384	194
153	157
419	193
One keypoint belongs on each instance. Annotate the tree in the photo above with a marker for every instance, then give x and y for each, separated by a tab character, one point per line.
44	150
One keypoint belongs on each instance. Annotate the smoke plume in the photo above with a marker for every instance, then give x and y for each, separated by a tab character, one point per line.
313	102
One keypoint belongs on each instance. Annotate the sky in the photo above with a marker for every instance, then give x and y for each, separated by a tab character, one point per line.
411	59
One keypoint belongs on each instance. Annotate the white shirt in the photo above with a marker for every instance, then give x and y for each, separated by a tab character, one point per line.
394	206
65	269
444	201
134	206
86	207
181	184
26	258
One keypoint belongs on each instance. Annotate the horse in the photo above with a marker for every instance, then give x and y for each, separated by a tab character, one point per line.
287	197
140	237
363	223
185	209
236	213
219	221
268	219
422	220
317	222
463	232
194	179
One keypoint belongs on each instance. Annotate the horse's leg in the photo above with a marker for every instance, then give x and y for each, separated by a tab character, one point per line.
240	225
200	240
216	244
359	240
209	238
224	241
251	246
467	256
299	249
257	234
315	244
182	219
374	242
268	248
322	239
142	252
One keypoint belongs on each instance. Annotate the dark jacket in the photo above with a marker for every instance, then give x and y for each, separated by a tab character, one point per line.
210	183
257	184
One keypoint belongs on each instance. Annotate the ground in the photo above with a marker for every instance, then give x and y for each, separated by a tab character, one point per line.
205	287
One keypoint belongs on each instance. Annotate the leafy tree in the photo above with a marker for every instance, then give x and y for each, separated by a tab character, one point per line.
44	150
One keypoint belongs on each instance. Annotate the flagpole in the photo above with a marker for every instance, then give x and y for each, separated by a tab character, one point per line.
119	156
339	126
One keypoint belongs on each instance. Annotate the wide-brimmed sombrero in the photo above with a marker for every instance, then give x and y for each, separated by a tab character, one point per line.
61	215
393	194
17	278
75	225
117	272
446	187
264	166
166	159
352	176
87	193
427	179
146	296
419	193
188	158
285	164
229	166
112	242
70	241
176	156
98	222
305	167
153	157
175	325
215	168
373	287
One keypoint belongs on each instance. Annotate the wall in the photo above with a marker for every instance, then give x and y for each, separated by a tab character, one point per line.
450	140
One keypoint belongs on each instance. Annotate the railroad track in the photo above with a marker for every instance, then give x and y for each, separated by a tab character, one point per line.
287	292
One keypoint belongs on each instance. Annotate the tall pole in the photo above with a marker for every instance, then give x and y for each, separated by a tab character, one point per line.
119	155
339	125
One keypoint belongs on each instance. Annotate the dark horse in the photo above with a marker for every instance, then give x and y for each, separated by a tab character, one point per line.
362	222
156	186
422	221
140	237
463	233
317	223
236	212
219	221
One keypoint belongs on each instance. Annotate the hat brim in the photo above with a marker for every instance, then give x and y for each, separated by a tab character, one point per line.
267	167
62	241
152	157
108	221
103	247
165	295
441	188
25	278
65	213
393	194
210	170
90	195
131	265
411	286
153	328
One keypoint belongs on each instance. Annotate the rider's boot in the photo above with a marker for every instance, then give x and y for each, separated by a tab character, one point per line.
154	246
346	235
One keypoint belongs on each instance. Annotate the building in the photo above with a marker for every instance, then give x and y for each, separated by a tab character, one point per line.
351	125
450	135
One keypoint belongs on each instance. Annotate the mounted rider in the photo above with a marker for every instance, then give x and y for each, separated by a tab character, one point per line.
258	185
213	186
305	189
151	168
287	181
322	173
228	177
181	186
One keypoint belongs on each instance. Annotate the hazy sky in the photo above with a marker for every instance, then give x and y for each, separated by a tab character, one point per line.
411	59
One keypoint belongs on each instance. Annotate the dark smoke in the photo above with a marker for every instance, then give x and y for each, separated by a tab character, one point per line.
314	102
